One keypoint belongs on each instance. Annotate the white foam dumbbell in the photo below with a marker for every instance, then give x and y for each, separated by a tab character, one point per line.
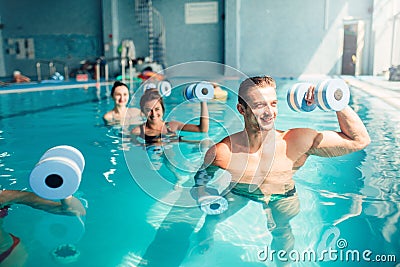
58	173
330	95
163	87
199	92
148	85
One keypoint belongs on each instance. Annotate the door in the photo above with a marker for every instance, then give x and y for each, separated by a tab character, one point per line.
2	68
349	57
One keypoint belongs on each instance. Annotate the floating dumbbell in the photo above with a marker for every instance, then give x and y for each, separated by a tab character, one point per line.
58	173
199	92
330	94
163	87
213	204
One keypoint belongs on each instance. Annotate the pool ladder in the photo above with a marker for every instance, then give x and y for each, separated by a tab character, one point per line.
102	62
52	68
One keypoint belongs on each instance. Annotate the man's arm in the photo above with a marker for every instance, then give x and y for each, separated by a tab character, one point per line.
205	174
352	137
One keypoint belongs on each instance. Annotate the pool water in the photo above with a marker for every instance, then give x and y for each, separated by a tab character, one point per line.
131	219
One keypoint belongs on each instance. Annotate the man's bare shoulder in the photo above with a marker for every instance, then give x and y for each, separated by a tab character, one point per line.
219	148
299	140
298	134
226	145
218	153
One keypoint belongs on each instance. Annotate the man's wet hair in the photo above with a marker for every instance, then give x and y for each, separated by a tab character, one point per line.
256	81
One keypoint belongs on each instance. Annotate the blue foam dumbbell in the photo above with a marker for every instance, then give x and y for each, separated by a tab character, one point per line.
198	92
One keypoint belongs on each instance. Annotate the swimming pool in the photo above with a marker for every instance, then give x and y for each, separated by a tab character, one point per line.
352	201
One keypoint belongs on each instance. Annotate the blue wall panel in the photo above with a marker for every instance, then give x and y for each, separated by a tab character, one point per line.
191	42
65	30
67	46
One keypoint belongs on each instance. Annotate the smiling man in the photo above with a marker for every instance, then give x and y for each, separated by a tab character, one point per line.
262	159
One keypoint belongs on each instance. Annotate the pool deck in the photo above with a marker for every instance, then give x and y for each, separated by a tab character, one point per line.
377	86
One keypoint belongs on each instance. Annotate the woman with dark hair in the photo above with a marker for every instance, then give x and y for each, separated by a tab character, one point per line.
157	133
121	114
155	128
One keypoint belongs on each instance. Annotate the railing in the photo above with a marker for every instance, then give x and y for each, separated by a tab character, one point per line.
106	68
159	51
52	68
104	62
149	18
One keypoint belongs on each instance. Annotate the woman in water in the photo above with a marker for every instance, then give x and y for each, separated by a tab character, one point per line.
157	133
155	129
121	114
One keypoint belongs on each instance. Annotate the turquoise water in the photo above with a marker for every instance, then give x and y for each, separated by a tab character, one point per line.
353	199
